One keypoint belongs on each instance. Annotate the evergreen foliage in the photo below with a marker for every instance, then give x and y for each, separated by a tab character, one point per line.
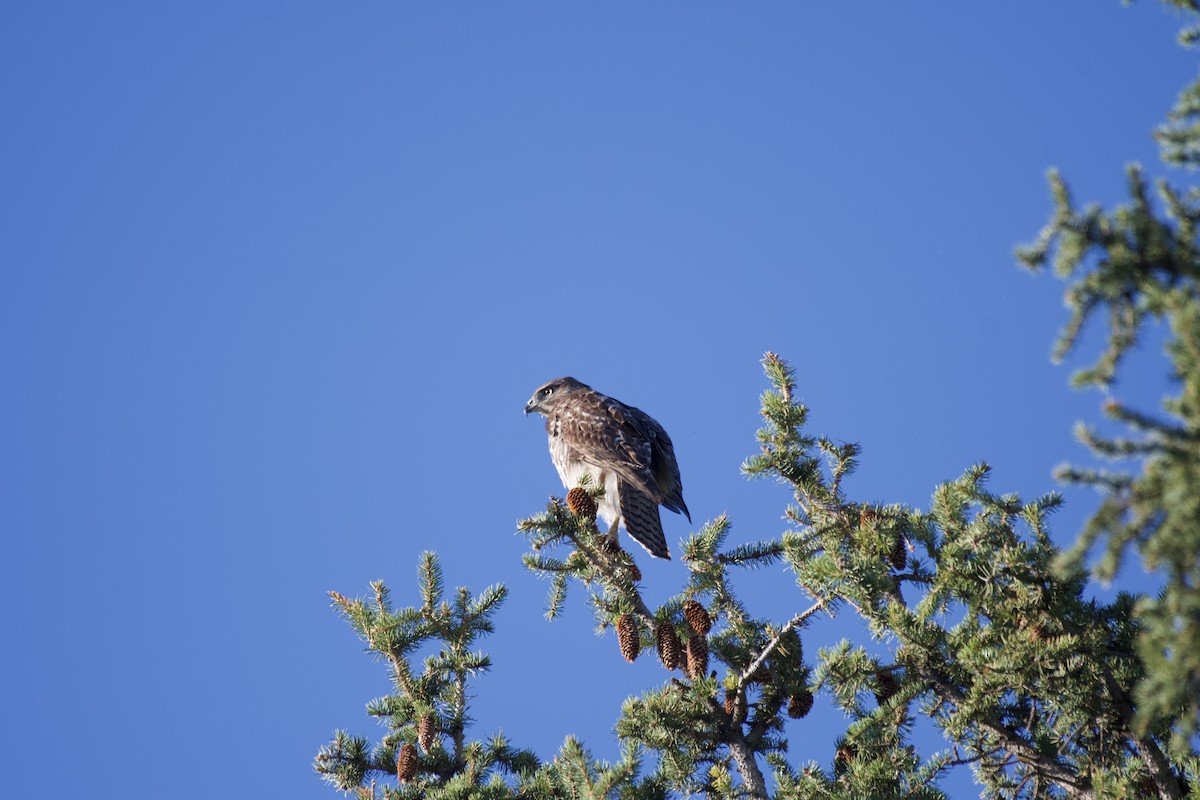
981	626
1139	264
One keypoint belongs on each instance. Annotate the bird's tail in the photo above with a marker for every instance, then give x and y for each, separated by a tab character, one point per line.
639	514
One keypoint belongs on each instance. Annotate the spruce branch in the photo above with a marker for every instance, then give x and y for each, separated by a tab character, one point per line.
427	704
788	626
1137	263
980	564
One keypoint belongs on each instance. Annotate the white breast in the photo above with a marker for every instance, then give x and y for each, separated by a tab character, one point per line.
570	470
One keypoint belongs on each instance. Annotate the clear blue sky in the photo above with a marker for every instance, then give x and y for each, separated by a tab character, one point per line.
278	278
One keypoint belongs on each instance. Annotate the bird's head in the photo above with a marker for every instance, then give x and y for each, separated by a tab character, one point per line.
548	395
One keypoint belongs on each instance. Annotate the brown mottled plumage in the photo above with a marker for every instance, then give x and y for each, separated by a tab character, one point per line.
618	447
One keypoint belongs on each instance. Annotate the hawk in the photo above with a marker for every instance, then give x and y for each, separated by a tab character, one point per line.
617	447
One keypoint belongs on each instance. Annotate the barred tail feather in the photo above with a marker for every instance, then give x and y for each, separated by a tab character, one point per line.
639	514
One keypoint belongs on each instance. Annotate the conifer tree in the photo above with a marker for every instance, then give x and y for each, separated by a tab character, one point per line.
1136	264
981	626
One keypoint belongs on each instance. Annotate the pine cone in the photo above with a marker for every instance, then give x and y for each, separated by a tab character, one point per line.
634	572
1034	628
426	731
867	516
669	648
800	704
581	503
406	763
697	617
899	554
697	657
887	686
845	754
628	638
735	706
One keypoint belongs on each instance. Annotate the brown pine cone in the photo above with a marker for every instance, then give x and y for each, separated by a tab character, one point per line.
696	657
406	763
867	516
669	648
628	638
426	731
581	503
899	554
697	617
800	704
887	686
846	753
634	572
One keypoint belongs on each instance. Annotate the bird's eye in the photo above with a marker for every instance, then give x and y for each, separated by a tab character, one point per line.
547	392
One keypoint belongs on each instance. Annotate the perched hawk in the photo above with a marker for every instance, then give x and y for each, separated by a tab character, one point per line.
619	448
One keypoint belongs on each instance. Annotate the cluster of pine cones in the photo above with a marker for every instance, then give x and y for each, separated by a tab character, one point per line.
406	759
692	656
671	651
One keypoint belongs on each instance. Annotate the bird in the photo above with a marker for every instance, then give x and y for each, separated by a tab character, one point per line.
618	447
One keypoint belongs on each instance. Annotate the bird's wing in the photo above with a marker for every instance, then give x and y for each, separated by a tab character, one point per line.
663	466
607	434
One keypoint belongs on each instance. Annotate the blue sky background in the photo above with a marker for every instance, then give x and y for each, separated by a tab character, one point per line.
278	278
